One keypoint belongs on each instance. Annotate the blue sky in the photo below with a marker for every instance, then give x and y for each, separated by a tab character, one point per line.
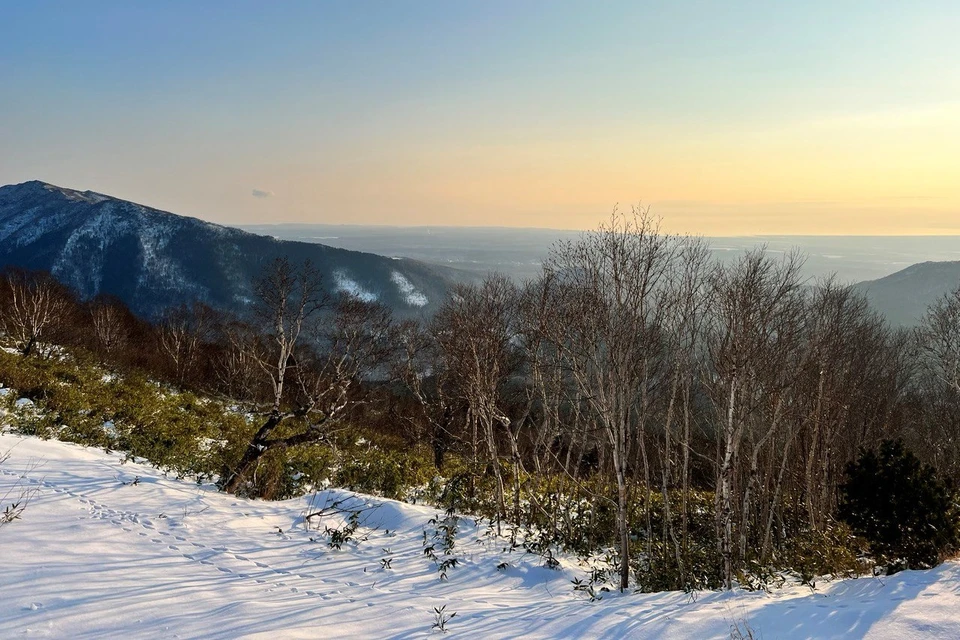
737	117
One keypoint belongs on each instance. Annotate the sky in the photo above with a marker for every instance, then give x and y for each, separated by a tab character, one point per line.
726	118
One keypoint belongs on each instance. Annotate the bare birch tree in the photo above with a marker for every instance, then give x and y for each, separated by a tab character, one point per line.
109	326
183	331
313	355
474	328
34	304
939	335
425	370
612	296
754	331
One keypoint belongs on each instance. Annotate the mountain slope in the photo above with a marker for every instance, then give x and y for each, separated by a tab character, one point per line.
903	297
152	259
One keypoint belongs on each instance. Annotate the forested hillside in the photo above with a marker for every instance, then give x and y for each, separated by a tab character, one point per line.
153	260
696	424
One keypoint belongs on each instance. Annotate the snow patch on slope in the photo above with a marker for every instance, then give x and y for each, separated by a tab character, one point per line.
346	284
410	294
81	262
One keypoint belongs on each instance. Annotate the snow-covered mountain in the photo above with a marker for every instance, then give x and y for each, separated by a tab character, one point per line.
152	259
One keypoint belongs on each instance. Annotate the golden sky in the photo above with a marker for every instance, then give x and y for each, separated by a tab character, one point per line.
726	118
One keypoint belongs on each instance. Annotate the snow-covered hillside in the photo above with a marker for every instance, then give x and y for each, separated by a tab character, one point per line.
106	549
153	259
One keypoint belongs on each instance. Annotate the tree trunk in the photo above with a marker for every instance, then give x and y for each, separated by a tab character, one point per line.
255	450
726	491
622	526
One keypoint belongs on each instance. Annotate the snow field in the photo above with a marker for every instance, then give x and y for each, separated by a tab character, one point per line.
110	550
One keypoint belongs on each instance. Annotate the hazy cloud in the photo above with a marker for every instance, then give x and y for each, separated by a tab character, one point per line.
260	193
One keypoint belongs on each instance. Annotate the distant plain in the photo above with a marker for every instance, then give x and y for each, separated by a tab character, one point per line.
519	252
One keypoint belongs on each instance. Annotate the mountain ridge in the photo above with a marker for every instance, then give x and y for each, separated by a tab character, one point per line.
904	296
153	259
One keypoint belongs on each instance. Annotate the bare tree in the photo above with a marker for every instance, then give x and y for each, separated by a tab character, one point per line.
238	375
474	329
426	372
612	297
35	302
547	387
183	331
684	326
938	384
754	332
843	339
939	335
311	361
109	328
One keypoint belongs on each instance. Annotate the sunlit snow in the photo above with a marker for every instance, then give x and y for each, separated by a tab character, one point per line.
346	284
108	549
410	294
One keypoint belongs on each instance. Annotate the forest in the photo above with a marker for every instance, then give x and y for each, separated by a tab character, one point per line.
694	424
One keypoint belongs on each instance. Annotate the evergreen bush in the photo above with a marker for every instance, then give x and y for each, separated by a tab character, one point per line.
905	511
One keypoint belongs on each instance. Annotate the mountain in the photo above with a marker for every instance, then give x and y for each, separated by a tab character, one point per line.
152	259
903	297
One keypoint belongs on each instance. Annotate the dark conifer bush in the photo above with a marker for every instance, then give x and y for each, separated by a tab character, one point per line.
905	511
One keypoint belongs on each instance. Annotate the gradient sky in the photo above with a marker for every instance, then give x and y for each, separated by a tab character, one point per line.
765	117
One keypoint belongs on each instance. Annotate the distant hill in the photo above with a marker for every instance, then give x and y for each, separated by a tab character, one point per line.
903	297
152	259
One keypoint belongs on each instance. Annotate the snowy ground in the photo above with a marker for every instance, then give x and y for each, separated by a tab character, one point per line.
97	556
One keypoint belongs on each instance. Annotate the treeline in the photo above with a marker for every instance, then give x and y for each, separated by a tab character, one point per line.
697	418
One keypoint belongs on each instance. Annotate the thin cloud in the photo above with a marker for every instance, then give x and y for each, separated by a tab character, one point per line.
260	193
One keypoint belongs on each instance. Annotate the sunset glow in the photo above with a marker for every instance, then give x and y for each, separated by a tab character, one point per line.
735	118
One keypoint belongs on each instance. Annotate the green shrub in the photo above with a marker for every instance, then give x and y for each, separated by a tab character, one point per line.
387	473
835	551
74	400
905	511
